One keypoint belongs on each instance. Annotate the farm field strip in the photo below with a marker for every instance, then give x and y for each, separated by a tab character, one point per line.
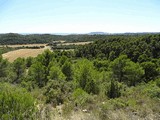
75	43
23	53
23	45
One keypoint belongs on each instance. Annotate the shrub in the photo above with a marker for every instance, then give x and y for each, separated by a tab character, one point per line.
16	103
81	98
57	91
152	90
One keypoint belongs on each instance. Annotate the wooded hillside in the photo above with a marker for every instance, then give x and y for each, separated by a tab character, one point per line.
116	77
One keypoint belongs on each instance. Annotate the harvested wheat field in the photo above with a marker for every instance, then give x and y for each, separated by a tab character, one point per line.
24	45
76	43
24	53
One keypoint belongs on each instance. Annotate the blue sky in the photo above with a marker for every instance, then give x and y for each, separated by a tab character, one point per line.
79	16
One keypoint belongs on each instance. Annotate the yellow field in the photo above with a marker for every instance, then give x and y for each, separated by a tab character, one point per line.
24	45
76	43
23	53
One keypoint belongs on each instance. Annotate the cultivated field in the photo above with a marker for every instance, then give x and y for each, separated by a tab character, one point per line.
24	53
24	45
76	43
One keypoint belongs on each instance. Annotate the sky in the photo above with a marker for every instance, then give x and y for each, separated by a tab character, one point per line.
79	16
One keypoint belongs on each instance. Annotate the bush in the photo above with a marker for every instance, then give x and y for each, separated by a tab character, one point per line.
153	90
16	103
110	106
158	82
57	92
81	98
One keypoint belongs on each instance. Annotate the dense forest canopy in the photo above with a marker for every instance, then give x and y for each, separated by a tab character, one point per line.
14	38
138	48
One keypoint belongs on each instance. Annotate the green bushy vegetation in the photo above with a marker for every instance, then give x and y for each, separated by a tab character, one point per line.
16	103
113	78
6	49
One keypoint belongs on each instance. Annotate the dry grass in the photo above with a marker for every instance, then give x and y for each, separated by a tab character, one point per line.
23	53
50	113
76	43
24	45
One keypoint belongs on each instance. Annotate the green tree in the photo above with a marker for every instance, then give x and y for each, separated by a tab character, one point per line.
19	69
112	55
62	60
114	90
67	70
150	71
47	57
85	76
37	73
117	67
3	67
124	70
143	58
55	73
29	61
133	73
101	65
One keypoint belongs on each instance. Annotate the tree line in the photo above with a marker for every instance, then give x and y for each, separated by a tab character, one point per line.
14	38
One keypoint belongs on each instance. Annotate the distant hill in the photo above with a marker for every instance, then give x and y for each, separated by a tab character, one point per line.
97	33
